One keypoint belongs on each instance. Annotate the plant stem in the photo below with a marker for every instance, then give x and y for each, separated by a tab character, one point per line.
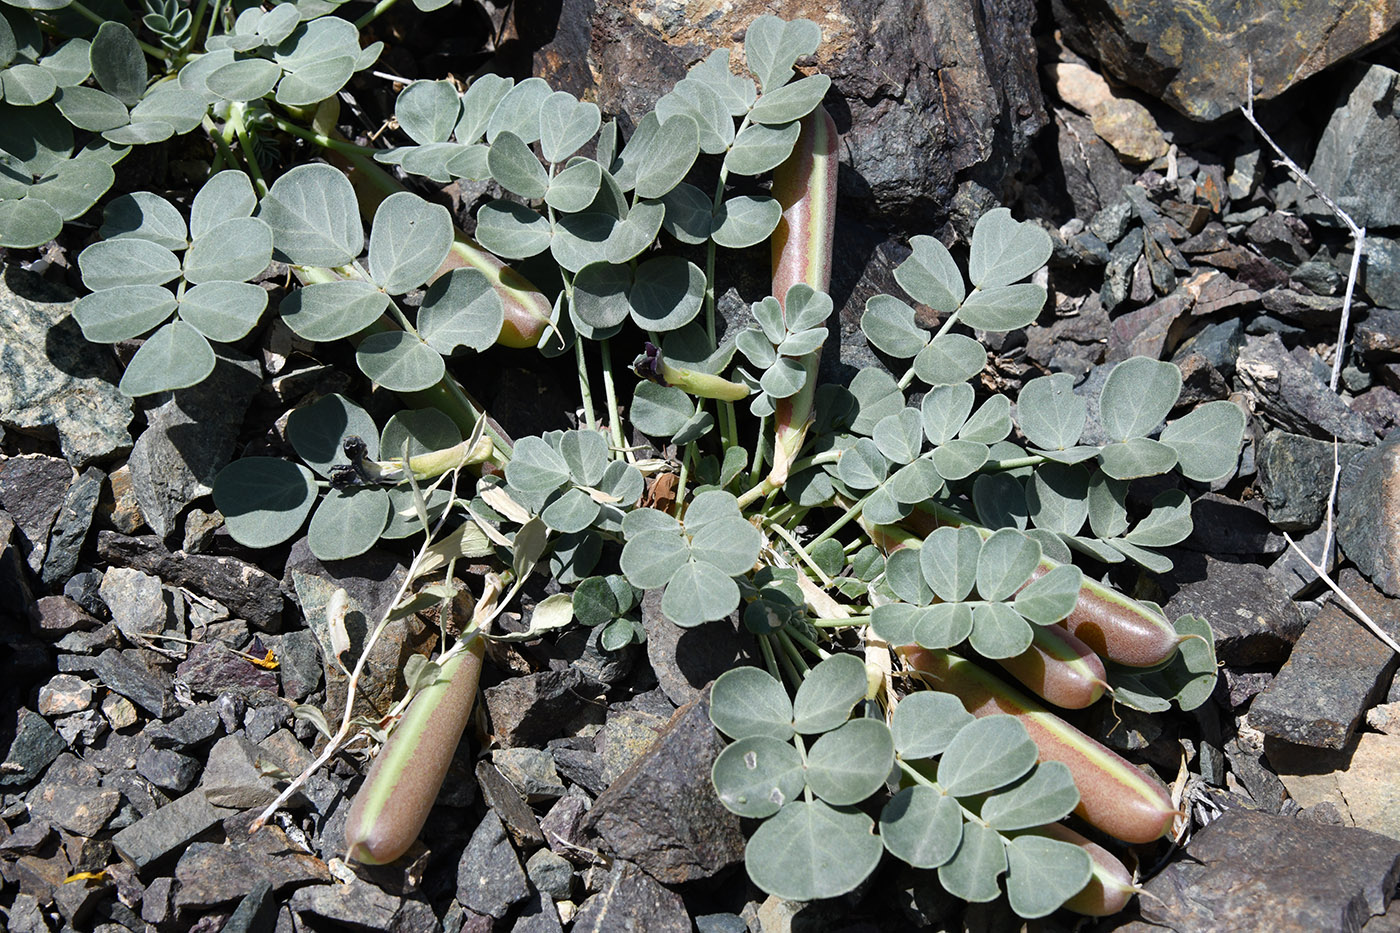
583	386
793	674
610	394
325	142
686	456
85	13
200	8
791	651
379	9
754	493
220	143
214	20
853	512
236	120
765	646
1014	463
797	548
843	622
807	643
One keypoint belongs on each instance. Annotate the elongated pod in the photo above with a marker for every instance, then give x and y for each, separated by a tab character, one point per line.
805	186
1110	888
1114	795
393	803
1059	668
1117	627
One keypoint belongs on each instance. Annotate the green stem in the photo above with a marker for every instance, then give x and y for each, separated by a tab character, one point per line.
765	646
754	493
320	139
379	8
845	622
1014	463
806	642
583	386
791	651
220	143
686	456
214	20
610	393
793	674
198	21
931	784
851	513
947	325
797	548
236	115
151	50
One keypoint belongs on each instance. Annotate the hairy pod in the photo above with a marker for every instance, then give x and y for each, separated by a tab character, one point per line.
1114	795
1110	888
1059	668
393	803
805	186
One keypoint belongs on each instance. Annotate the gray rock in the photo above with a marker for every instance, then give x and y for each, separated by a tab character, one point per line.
34	747
1227	526
662	812
1250	870
85	589
590	658
562	826
720	923
256	913
910	133
1353	157
64	694
532	772
538	916
1295	476
552	875
1197	59
1254	623
1377	336
81	729
52	380
686	659
1335	671
213	669
232	777
157	901
1117	280
16	599
371	580
71	527
188	438
505	801
138	603
192	727
26	916
1093	174
1381	271
168	770
489	877
167	829
355	906
1292	397
631	900
532	709
28	838
148	689
32	489
248	591
300	669
1368	514
212	875
81	810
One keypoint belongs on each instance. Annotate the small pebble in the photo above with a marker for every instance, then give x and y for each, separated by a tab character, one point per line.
64	694
119	711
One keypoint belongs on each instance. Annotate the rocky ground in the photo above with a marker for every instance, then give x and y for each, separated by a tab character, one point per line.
582	797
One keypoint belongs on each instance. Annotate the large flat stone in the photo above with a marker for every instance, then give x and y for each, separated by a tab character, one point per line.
1250	870
662	813
1355	158
1368	514
1195	56
1360	781
52	380
1334	672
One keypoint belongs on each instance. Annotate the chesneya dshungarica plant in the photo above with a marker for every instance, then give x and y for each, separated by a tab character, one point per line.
907	508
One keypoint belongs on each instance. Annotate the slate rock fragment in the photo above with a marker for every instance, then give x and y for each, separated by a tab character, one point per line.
71	526
151	690
489	877
1354	160
247	590
169	828
1335	671
52	380
530	710
32	489
686	659
34	746
189	437
630	899
1250	870
1292	397
1295	476
1196	57
662	813
1368	514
